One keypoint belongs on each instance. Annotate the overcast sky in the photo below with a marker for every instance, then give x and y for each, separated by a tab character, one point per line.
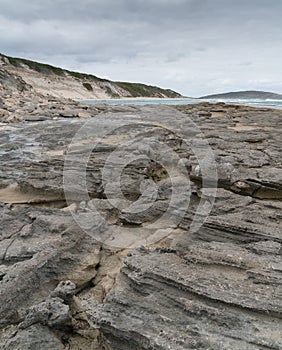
195	47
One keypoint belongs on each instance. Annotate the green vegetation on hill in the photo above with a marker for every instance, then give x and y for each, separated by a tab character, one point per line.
88	86
48	69
84	76
38	67
143	90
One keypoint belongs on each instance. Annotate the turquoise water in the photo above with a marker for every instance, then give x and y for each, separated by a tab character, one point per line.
277	104
145	101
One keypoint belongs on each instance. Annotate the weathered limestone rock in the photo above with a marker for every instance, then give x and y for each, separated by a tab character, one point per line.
3	113
33	338
218	287
204	297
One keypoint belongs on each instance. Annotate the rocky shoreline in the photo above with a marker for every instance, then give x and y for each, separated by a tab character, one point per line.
136	281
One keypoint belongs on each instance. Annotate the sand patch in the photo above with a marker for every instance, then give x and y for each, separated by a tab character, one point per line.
242	127
13	194
218	115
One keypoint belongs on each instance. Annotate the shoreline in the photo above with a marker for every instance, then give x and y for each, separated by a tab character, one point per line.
190	100
143	98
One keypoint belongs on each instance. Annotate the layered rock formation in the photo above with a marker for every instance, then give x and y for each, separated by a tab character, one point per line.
96	259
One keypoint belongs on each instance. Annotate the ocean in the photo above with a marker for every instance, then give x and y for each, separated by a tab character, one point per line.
276	104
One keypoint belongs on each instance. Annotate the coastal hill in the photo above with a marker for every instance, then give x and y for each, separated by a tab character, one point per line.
53	81
246	95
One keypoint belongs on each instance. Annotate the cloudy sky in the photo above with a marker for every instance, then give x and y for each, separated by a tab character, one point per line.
195	47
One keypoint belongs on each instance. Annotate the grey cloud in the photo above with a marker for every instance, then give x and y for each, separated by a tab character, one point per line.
193	46
155	11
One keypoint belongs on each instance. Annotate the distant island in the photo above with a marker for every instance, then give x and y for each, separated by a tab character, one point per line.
263	95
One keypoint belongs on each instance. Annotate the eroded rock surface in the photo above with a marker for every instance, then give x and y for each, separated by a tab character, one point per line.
140	276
